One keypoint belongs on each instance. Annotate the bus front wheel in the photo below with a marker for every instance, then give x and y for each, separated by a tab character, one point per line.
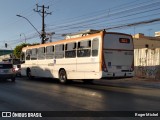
29	75
62	76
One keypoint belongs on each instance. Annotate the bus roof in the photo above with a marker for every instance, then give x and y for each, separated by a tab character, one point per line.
92	33
65	40
81	33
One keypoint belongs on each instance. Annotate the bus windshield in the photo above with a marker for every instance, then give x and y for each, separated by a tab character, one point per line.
14	61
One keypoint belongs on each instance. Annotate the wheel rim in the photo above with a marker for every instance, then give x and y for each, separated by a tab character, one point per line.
62	76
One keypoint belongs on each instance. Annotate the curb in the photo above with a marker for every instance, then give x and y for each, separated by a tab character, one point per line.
130	82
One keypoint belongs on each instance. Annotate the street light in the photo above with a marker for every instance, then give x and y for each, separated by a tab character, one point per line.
24	37
29	23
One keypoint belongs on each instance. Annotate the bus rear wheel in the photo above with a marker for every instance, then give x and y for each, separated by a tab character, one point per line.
62	76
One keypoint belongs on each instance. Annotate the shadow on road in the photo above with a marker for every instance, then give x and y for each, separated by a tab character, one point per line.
6	81
75	83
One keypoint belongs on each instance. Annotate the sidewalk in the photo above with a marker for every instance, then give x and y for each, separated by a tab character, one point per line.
134	82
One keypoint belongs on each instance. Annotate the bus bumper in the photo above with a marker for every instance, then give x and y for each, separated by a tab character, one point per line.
118	74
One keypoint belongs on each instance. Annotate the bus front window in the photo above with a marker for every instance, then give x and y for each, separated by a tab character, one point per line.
22	57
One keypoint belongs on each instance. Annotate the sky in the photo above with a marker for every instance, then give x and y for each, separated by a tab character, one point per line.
71	16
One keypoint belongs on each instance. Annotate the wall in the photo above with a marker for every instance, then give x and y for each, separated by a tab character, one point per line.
147	62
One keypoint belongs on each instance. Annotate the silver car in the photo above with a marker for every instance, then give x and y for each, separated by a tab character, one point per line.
7	71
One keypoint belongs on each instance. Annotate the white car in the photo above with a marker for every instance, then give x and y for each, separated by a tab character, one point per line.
7	71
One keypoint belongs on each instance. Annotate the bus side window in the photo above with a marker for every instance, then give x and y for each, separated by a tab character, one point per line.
59	51
49	52
70	50
34	54
84	48
95	46
28	54
41	53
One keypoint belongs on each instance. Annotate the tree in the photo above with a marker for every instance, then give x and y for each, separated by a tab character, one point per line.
18	49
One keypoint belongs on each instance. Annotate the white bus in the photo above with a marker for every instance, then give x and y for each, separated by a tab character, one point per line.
86	56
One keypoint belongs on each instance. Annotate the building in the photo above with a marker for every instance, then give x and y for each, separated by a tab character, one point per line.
5	54
142	41
147	56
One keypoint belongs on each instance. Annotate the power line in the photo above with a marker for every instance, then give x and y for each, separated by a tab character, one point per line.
124	12
135	24
111	14
131	9
121	26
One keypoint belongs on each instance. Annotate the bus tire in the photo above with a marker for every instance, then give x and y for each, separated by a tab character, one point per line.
62	76
29	75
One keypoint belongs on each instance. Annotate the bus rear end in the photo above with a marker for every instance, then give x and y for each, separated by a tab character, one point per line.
118	55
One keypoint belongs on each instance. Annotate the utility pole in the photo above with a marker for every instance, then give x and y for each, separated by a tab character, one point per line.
42	13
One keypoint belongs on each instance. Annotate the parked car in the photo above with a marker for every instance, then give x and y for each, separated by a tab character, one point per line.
7	71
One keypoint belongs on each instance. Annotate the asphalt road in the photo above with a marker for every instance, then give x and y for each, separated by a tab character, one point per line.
49	95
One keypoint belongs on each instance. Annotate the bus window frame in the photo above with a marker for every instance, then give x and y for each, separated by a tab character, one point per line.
59	54
28	54
41	53
34	53
70	53
50	54
84	51
96	48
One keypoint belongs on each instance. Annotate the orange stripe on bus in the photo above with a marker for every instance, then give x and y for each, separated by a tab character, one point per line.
64	41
